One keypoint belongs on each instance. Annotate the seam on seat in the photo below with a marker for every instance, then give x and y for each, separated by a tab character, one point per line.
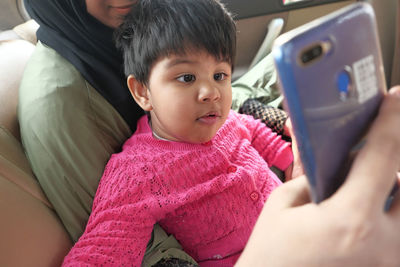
9	170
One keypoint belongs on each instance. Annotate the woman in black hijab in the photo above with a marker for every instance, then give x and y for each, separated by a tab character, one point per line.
75	109
83	40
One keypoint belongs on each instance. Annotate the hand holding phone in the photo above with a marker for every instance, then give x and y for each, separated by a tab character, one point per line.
331	74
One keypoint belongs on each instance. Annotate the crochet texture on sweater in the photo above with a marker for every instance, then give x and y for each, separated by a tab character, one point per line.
207	195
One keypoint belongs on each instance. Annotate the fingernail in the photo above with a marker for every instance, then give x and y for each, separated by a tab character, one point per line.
395	91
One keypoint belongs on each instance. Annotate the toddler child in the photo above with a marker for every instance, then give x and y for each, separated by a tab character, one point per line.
194	166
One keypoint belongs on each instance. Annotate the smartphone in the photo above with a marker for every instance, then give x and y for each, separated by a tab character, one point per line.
331	74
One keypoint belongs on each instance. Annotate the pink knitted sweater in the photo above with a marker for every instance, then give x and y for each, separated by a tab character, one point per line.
207	195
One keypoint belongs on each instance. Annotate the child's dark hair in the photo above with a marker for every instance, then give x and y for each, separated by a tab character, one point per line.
158	28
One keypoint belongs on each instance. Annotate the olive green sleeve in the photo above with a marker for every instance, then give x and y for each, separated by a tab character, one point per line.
68	132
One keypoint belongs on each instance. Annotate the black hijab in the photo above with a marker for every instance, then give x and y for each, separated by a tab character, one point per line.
88	44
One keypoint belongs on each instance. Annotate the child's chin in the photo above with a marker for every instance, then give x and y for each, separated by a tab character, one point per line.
205	139
201	138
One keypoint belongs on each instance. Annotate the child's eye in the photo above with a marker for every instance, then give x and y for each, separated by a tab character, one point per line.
220	76
187	78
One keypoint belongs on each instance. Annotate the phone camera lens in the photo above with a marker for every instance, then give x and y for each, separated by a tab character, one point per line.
311	54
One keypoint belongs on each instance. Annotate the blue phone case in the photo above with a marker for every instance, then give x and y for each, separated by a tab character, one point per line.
331	100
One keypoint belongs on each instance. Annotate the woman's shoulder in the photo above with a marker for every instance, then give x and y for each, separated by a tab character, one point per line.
50	78
47	66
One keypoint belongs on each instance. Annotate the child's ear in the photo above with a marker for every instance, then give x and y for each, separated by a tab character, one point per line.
139	92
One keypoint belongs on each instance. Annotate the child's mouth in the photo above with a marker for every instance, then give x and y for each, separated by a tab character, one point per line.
209	118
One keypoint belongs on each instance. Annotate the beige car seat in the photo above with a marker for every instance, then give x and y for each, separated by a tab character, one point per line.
31	233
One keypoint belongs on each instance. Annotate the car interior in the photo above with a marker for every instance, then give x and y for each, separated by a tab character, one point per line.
31	233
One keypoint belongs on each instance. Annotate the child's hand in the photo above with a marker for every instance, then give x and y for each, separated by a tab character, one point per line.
296	168
289	173
287	128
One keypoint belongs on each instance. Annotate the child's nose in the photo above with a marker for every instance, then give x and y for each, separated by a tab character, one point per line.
209	93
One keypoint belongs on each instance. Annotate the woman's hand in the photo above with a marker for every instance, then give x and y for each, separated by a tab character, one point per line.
348	229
